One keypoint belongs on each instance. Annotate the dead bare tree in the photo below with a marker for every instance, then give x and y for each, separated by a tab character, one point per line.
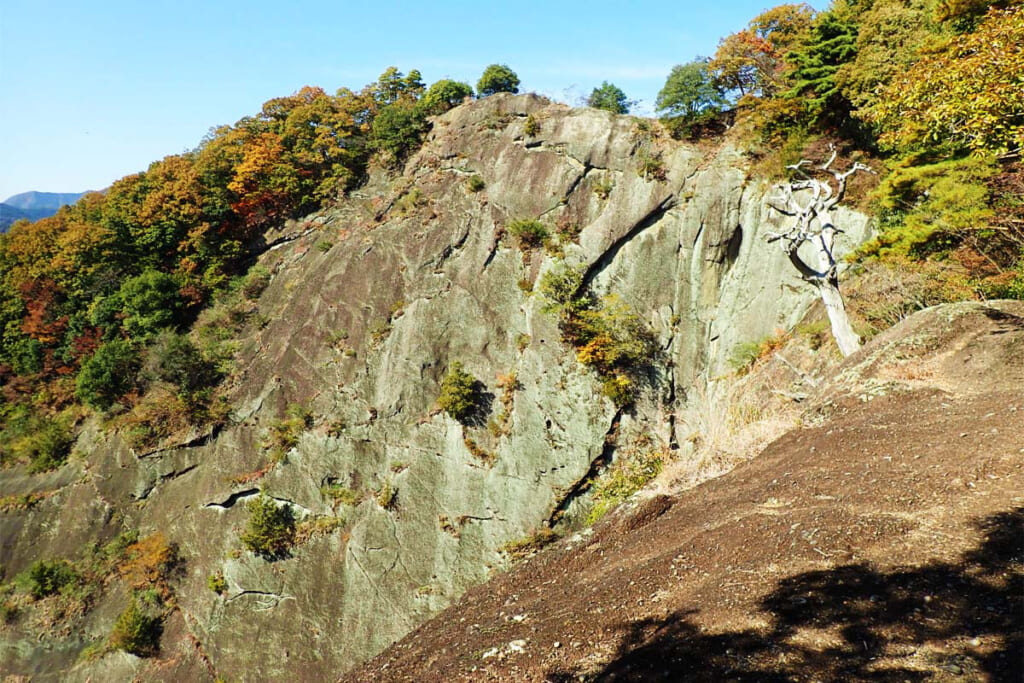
812	224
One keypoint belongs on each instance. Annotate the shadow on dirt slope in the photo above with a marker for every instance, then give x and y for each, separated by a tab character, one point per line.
855	623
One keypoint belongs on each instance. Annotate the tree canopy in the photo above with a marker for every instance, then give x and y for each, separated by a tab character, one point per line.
690	95
497	78
610	98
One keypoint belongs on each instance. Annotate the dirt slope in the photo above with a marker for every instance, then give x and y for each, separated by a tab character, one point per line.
880	541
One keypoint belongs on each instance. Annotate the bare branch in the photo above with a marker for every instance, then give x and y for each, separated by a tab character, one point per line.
832	158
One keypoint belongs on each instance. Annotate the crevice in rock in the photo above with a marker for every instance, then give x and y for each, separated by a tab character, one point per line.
584	483
395	611
196	441
230	501
495	243
577	180
652	217
164	477
449	250
285	239
269	599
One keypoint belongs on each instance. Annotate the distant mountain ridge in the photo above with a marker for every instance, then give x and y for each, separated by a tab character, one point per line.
33	206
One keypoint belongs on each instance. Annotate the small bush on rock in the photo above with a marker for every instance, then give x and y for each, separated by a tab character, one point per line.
139	627
270	532
528	233
47	577
461	394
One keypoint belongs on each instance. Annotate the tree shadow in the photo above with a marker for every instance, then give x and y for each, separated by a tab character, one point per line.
854	623
481	406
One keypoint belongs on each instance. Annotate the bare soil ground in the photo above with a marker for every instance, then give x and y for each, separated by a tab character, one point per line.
881	541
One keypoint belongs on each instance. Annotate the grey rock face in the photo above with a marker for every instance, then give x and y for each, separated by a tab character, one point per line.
413	274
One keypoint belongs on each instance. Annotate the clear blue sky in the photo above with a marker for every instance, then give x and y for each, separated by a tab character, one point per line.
91	91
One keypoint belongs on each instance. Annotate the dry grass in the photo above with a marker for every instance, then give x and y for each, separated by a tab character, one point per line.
725	423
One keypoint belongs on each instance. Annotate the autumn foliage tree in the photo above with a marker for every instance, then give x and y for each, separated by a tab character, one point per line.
967	96
82	291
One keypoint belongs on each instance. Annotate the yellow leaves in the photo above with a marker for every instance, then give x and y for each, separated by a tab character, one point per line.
967	96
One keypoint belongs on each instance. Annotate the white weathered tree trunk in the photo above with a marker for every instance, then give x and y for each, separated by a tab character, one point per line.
813	224
847	340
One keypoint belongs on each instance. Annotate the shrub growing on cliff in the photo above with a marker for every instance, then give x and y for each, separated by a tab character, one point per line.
139	627
461	394
398	129
529	233
270	532
624	478
690	97
47	447
47	577
175	359
151	302
108	375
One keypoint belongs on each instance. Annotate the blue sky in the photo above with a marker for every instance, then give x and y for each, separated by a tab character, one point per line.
92	91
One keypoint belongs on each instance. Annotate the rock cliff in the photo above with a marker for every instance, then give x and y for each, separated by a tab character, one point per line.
369	303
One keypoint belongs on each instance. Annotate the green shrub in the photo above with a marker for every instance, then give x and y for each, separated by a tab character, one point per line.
339	494
607	335
461	394
150	303
560	285
45	578
620	389
175	359
603	189
217	583
531	126
650	166
626	476
745	354
49	446
138	629
524	547
283	435
930	209
386	495
398	129
528	233
23	353
443	95
610	98
610	337
475	183
379	331
270	532
108	375
689	97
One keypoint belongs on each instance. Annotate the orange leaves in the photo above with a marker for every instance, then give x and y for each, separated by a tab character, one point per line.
752	60
149	561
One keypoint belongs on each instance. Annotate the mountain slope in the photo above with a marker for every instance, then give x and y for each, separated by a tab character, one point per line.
367	305
34	205
42	201
882	541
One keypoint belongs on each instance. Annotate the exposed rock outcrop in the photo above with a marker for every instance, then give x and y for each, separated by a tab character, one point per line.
369	303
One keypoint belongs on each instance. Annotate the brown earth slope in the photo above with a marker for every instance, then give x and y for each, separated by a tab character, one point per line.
879	541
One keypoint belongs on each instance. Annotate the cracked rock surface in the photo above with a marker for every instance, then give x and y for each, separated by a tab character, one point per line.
369	303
